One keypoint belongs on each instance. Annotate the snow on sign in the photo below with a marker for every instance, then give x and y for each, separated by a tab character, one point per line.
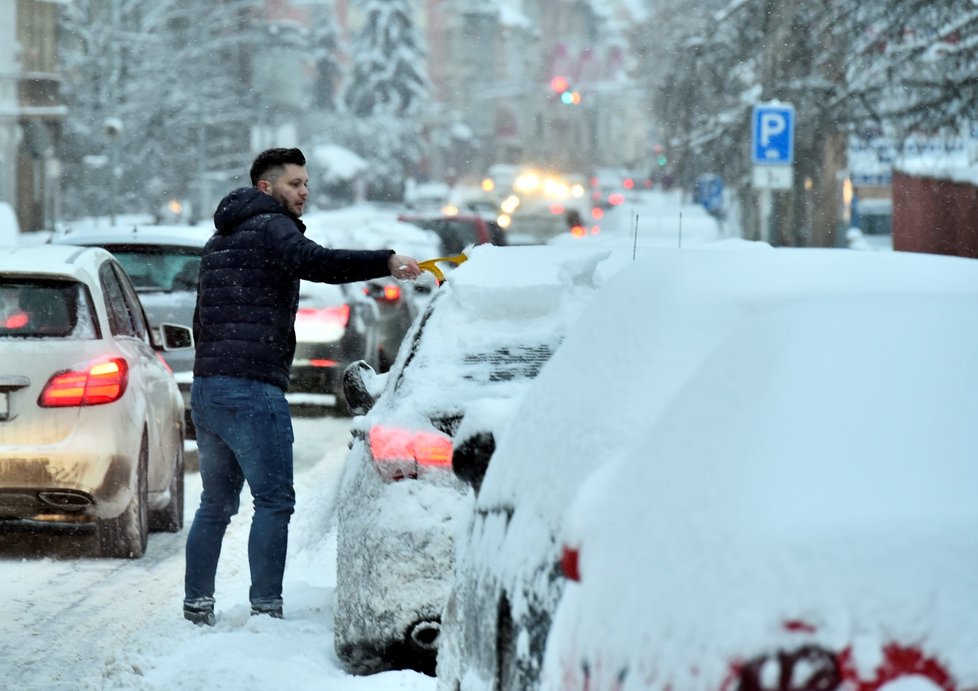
773	129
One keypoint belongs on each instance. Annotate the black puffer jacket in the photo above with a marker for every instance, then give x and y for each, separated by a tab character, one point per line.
249	286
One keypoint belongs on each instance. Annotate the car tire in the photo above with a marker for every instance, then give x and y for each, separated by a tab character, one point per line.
125	536
169	519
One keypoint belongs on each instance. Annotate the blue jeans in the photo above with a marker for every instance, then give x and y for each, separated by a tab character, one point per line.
244	432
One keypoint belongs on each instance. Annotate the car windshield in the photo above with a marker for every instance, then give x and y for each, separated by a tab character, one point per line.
45	309
155	268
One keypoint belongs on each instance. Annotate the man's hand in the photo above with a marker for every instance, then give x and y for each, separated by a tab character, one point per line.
403	267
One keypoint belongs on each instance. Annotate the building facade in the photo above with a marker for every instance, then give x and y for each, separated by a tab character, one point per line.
31	111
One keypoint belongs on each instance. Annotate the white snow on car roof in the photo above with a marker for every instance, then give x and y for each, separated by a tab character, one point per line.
521	282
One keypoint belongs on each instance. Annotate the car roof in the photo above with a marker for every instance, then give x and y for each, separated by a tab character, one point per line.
179	235
53	260
650	328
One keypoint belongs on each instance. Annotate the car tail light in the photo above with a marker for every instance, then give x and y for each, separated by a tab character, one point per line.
616	198
628	183
570	563
814	667
16	321
900	662
337	316
102	382
399	452
391	293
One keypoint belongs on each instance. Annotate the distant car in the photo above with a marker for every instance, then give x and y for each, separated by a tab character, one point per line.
484	335
91	420
793	512
163	263
796	361
339	324
459	231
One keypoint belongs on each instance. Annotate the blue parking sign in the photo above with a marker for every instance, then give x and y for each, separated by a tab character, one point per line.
773	129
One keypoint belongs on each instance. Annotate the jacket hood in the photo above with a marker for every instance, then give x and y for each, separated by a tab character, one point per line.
244	203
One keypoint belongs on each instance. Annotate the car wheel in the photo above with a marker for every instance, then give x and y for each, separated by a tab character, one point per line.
124	537
170	518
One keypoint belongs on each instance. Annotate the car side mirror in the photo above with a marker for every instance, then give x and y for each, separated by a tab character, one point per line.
359	399
176	337
470	458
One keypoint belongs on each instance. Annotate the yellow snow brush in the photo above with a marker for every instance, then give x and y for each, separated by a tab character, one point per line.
432	265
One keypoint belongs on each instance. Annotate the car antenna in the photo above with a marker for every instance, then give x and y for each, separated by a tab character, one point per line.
635	241
680	230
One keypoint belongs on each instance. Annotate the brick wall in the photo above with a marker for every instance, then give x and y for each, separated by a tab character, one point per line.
935	216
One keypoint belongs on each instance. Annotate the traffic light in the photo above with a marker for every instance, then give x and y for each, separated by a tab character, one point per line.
660	155
560	85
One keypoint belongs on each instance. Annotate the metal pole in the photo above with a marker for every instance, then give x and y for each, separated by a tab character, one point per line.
764	213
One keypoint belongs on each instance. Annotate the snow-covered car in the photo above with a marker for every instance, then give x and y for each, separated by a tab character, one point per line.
801	514
656	326
163	262
484	335
91	419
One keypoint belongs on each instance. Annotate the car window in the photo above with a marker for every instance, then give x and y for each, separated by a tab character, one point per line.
31	308
121	321
159	268
133	305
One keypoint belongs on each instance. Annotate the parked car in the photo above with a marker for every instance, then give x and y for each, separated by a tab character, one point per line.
459	231
91	421
340	324
753	335
163	263
794	512
484	335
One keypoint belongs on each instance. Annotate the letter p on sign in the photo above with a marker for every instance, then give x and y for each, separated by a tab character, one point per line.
773	134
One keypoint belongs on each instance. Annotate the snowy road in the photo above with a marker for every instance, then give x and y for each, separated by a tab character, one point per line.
73	622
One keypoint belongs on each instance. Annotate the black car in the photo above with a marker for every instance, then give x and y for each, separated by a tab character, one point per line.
340	324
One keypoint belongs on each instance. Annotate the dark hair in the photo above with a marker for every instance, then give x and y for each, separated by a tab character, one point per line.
274	158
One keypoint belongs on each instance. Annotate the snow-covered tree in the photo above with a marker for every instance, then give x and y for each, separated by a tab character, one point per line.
174	75
905	66
387	92
327	57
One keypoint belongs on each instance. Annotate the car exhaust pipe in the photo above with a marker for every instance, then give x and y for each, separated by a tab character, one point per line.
423	636
66	500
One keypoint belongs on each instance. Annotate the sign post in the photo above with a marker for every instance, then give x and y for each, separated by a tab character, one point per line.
773	143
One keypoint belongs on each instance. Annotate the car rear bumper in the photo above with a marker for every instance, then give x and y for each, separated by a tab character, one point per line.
36	484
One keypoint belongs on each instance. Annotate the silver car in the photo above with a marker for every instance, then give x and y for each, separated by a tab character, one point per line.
91	420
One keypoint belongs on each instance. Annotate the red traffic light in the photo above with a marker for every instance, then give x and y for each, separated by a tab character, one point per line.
559	84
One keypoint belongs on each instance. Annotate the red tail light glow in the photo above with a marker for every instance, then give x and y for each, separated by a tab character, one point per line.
339	315
392	293
616	198
570	563
16	321
399	452
103	382
628	183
